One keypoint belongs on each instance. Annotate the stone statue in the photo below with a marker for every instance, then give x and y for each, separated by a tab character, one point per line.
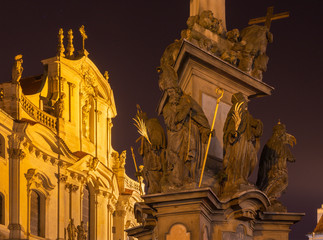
152	152
86	119
187	130
256	39
208	21
217	7
71	230
241	135
122	159
59	106
17	69
272	174
81	231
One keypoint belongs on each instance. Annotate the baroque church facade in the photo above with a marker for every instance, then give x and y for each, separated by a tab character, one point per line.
60	176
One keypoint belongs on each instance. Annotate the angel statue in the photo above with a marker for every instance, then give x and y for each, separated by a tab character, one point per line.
272	174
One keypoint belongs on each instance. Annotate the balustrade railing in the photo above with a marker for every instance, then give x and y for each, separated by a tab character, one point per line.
37	114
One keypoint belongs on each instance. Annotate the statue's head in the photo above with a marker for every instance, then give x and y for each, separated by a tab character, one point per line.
174	94
279	129
18	58
167	77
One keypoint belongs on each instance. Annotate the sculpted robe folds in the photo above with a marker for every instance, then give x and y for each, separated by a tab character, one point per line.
240	146
187	128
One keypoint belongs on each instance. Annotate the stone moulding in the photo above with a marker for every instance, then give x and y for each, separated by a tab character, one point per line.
200	209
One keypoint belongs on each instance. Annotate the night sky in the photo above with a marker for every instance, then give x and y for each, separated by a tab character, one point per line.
127	38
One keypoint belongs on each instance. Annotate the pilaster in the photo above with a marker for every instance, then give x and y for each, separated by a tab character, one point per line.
16	154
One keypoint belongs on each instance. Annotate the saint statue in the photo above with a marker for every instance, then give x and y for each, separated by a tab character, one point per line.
86	119
81	231
241	142
187	130
17	69
152	150
59	106
71	230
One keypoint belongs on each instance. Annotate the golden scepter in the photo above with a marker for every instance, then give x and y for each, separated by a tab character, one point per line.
134	160
219	91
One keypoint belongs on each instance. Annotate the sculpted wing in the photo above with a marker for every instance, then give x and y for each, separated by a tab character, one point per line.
267	160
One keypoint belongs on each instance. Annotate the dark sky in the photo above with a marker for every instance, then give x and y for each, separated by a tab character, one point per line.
128	37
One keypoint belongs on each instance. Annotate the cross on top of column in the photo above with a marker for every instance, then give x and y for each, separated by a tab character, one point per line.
270	16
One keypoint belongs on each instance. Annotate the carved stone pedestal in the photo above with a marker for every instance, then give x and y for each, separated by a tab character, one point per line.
200	215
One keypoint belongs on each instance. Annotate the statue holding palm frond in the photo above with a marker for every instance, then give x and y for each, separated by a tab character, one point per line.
241	140
152	149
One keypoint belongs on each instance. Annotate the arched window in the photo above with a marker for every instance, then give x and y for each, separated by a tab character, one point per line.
86	209
2	209
37	214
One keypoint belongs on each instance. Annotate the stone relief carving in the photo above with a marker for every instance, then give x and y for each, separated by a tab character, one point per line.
39	180
273	174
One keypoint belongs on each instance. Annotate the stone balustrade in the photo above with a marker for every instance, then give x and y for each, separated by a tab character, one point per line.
37	114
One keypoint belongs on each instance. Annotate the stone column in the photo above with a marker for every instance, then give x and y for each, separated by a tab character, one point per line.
15	156
216	6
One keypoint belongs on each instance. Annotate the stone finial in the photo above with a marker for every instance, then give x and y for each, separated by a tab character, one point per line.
106	76
60	47
70	47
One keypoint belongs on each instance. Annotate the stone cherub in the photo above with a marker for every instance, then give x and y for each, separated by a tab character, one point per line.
152	149
272	174
241	141
17	69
